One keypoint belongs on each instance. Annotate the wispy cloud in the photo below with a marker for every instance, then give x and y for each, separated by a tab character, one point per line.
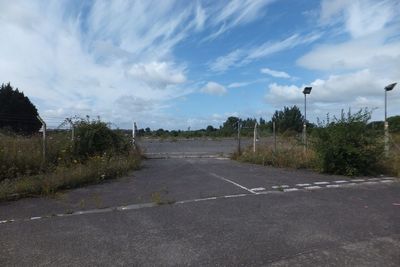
213	88
275	73
236	12
240	57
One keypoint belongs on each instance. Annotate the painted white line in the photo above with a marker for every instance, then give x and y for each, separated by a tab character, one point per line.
350	184
280	186
35	218
373	179
333	186
341	181
321	183
370	183
258	189
388	178
357	180
4	221
290	189
231	196
387	181
312	187
303	184
232	182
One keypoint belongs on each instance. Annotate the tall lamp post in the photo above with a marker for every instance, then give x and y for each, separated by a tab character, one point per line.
386	125
306	91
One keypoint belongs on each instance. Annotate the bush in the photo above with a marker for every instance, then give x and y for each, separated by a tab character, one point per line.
347	145
96	138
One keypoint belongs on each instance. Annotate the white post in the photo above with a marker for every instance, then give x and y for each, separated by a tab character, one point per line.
134	134
255	137
44	138
72	129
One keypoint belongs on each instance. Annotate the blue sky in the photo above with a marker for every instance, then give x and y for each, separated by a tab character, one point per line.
179	64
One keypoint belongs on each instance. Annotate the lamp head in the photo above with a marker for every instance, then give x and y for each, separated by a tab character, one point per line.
390	87
307	90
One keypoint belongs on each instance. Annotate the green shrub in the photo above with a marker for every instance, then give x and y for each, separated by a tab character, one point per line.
96	138
347	145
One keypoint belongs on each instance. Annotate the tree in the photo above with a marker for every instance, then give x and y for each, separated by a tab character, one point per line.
288	119
230	126
17	112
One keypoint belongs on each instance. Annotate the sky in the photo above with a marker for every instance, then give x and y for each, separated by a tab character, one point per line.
178	64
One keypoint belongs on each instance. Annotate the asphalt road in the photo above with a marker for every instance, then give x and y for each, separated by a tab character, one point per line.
184	210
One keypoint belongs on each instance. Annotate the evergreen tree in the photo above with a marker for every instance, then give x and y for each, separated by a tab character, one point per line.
17	112
289	118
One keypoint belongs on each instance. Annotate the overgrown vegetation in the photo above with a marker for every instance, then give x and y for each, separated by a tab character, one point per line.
97	153
347	145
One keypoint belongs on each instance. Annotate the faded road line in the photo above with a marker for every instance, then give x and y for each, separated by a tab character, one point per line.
232	182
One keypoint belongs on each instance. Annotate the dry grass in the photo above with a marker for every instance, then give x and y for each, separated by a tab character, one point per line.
23	172
289	154
94	170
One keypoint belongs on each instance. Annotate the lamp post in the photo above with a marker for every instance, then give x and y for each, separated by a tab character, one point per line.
306	91
386	125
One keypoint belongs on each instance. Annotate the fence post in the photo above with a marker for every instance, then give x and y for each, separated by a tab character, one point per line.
274	133
238	136
72	129
134	135
255	137
44	138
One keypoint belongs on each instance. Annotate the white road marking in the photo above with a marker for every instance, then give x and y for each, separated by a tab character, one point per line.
387	181
357	180
258	189
312	187
341	181
373	179
321	183
370	183
350	184
280	186
232	182
303	184
290	189
333	186
35	218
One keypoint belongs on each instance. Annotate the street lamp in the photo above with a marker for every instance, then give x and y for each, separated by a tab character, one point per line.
386	125
306	91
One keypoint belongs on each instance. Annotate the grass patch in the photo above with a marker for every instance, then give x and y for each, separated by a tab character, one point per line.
94	170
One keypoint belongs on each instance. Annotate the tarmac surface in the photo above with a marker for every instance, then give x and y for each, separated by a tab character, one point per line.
191	206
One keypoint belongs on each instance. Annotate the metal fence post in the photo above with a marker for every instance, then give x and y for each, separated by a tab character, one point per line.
44	139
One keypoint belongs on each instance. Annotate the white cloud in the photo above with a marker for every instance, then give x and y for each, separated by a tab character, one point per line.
71	63
239	84
157	74
240	57
360	17
352	90
275	73
349	55
236	12
214	88
223	63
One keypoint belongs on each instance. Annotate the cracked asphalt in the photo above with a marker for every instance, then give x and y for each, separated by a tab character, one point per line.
187	210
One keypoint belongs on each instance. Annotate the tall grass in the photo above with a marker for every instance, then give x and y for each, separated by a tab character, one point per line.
289	154
23	171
